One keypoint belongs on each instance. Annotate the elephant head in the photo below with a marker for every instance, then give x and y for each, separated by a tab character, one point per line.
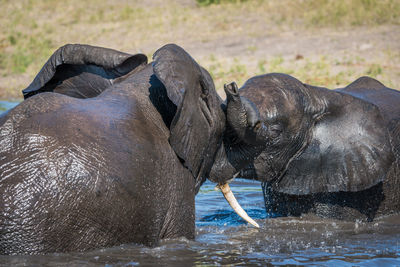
307	139
197	127
182	91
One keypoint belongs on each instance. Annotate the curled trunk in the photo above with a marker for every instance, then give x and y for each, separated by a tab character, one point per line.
244	139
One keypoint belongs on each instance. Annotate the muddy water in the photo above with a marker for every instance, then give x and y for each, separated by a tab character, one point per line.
222	238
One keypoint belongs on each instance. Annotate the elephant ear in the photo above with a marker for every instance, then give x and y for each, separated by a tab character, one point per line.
348	148
199	121
82	71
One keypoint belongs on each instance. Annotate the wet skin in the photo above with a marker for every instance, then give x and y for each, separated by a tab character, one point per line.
100	153
334	153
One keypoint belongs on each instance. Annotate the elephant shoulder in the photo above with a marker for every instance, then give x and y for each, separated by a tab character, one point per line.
34	118
38	104
364	88
365	82
372	91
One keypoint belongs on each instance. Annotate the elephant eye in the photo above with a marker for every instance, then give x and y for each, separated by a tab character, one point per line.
275	130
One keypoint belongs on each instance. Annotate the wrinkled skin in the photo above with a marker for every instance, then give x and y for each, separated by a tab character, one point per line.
106	149
334	153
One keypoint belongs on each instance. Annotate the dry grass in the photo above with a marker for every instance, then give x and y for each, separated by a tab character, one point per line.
325	70
32	30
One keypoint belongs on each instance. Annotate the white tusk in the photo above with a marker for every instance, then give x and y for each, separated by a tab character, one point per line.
217	187
226	190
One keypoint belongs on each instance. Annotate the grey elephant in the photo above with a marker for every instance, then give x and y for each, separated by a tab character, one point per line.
334	153
106	149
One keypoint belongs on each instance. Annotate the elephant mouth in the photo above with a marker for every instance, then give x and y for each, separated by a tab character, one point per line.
230	198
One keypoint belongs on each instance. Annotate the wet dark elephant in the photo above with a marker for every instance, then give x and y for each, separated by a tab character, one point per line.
334	153
106	149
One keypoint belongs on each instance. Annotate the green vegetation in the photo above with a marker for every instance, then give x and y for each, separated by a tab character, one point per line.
354	12
321	12
374	70
32	30
324	71
217	2
25	49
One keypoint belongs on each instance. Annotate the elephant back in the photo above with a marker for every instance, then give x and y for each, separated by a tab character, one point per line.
386	99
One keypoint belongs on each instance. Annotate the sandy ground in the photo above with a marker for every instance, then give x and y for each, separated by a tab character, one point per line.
357	42
353	50
359	46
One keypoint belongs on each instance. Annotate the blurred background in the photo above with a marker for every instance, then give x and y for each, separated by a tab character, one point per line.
325	43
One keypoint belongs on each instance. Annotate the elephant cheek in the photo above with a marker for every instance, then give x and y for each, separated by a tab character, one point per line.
222	170
248	172
261	169
220	173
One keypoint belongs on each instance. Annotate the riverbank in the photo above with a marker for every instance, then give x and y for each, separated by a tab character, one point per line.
324	43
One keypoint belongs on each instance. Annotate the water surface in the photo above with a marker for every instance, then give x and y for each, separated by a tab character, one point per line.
223	238
5	105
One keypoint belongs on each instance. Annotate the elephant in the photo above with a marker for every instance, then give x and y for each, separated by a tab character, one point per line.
330	153
107	149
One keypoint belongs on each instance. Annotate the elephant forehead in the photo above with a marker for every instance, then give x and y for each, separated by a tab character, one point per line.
273	102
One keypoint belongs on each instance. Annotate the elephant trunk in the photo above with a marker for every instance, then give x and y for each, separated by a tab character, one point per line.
243	117
244	139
